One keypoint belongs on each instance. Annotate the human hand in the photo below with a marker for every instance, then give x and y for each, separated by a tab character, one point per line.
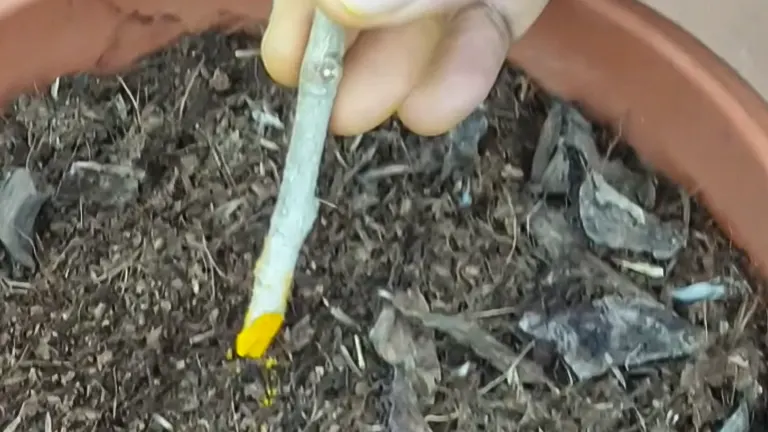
430	62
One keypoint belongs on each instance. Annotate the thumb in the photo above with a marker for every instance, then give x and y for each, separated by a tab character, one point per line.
378	13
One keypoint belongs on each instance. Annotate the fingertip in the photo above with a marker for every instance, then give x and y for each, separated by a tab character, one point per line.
443	102
349	126
425	127
461	78
339	127
380	71
285	39
281	67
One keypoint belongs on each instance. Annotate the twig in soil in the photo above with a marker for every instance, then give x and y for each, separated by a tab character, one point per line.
247	53
617	281
134	102
187	90
297	207
341	316
506	375
473	336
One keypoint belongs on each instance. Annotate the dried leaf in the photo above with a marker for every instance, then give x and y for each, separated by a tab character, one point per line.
739	421
391	337
463	141
614	331
470	334
413	354
564	126
612	220
548	143
552	232
637	187
405	413
20	203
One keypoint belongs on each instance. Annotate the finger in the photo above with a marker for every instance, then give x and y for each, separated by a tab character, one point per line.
470	58
284	41
366	14
379	71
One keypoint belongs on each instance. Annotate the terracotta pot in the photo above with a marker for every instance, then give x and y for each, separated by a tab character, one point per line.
676	102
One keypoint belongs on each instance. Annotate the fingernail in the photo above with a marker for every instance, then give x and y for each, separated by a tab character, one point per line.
373	7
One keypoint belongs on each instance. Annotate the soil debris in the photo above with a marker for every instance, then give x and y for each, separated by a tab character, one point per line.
104	184
699	291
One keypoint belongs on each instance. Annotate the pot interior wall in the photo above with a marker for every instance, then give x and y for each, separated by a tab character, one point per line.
41	40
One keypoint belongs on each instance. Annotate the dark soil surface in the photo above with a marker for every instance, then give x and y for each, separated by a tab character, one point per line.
124	325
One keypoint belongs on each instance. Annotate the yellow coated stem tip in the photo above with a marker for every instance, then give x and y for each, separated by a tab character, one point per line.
255	338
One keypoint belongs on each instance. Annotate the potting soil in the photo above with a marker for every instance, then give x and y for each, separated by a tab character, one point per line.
487	280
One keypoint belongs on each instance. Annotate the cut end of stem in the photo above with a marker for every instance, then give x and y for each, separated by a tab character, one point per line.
255	338
264	317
